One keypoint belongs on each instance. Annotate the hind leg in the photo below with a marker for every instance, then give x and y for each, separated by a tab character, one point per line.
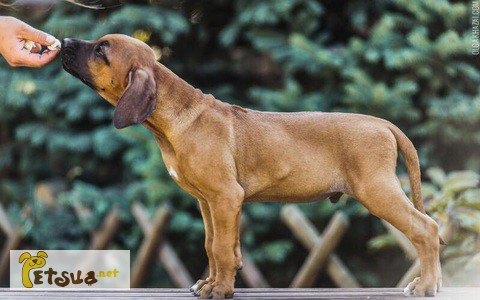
384	198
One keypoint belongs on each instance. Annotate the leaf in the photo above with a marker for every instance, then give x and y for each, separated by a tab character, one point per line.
471	198
468	219
437	176
459	181
381	242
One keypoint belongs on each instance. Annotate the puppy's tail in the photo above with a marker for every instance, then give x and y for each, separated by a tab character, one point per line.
410	157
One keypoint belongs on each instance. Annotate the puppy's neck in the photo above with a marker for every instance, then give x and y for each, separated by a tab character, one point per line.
178	104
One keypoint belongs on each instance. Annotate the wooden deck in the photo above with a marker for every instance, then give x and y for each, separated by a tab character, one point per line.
270	293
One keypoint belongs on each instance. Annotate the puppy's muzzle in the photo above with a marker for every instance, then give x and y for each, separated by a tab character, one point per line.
74	59
69	48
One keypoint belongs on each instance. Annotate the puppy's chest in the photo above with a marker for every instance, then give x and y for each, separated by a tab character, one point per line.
173	173
173	168
180	174
182	178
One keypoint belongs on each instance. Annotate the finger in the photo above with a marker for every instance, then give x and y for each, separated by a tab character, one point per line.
37	48
46	57
36	60
29	33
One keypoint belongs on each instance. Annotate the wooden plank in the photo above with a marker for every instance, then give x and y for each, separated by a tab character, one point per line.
251	274
150	244
4	223
237	290
103	237
403	241
13	243
176	269
311	268
166	254
409	276
139	212
306	233
317	293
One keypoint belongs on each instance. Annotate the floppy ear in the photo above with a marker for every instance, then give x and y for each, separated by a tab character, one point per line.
138	100
42	254
24	256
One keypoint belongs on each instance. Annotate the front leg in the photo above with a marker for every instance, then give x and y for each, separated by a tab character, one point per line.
225	211
207	221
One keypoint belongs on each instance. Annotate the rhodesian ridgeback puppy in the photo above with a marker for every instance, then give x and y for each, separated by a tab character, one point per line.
225	155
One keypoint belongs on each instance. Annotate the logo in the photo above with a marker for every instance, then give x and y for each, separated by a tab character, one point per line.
36	262
70	269
31	262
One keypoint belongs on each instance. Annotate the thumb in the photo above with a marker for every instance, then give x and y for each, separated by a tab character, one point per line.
37	36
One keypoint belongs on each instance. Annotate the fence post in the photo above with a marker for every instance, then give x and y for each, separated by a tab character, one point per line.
13	243
150	243
166	254
409	276
410	252
304	230
323	248
402	240
105	235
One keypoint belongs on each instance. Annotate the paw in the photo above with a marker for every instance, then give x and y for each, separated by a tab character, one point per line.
211	290
206	291
198	285
222	292
419	288
408	291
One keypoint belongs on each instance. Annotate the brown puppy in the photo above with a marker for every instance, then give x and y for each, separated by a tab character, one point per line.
226	156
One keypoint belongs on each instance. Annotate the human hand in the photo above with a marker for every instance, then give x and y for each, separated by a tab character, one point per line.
13	35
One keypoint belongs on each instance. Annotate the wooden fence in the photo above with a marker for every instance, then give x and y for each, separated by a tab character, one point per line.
156	248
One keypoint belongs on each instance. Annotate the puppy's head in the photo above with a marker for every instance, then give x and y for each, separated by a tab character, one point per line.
120	69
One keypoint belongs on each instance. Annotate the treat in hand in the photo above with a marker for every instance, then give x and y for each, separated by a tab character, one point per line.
21	44
29	45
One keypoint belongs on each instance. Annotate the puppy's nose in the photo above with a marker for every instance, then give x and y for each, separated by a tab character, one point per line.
34	260
68	42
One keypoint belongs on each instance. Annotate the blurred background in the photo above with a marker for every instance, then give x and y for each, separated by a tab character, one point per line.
64	168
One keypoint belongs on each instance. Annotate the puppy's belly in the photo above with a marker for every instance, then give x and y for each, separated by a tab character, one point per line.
288	198
303	191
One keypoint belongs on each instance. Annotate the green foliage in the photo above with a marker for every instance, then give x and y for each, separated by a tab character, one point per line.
453	200
407	61
381	242
275	252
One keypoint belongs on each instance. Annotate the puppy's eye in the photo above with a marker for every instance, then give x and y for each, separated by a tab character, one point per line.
99	51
